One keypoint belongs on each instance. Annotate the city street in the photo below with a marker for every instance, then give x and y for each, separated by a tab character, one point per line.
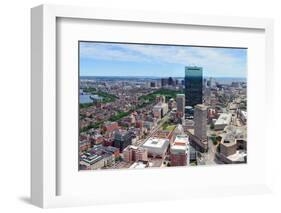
152	132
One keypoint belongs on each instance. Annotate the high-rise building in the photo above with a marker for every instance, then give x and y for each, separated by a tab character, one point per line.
170	81
160	109
212	82
152	84
122	139
157	111
164	82
179	151
193	85
200	122
180	104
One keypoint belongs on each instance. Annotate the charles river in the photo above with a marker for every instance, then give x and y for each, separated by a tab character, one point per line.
88	98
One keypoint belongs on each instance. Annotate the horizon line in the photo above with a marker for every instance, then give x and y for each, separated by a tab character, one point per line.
161	76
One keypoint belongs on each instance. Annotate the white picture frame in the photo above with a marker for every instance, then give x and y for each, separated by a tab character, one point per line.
44	154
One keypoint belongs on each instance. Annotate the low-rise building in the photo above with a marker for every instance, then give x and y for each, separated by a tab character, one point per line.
228	147
223	120
243	116
148	125
115	151
134	153
110	127
84	145
139	165
139	124
91	161
232	150
156	147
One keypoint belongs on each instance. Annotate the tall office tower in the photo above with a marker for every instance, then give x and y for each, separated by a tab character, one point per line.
152	84
170	81
193	86
180	104
212	82
164	82
200	122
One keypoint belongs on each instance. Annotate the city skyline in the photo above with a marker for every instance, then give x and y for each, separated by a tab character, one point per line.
131	120
116	59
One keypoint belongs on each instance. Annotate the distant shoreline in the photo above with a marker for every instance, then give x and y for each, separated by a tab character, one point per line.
219	79
156	77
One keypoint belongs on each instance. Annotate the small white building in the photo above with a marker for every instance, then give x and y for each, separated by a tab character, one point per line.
243	116
223	120
156	147
93	161
139	165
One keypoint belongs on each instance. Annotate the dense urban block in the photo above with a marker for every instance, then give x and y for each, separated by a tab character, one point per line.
141	121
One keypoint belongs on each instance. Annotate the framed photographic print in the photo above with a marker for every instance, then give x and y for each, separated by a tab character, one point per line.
129	106
141	107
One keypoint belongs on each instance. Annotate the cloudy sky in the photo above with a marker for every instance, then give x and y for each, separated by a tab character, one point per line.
112	59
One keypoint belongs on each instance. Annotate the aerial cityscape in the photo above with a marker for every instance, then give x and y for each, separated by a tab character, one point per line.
148	105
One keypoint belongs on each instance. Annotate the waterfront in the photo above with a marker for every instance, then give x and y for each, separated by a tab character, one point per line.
86	98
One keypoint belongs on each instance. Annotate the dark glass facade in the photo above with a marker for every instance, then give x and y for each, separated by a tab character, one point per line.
193	86
122	140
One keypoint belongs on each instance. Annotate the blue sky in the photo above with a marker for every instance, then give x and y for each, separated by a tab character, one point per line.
116	59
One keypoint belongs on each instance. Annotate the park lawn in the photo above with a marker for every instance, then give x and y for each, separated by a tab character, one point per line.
166	92
170	128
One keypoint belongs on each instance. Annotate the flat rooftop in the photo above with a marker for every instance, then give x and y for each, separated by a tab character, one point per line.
244	113
181	139
201	107
238	156
180	144
181	95
179	148
156	142
228	142
224	118
138	165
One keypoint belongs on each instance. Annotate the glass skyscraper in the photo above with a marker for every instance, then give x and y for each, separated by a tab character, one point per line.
193	85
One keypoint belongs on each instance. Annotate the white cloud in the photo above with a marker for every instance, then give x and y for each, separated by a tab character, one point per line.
108	52
222	61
